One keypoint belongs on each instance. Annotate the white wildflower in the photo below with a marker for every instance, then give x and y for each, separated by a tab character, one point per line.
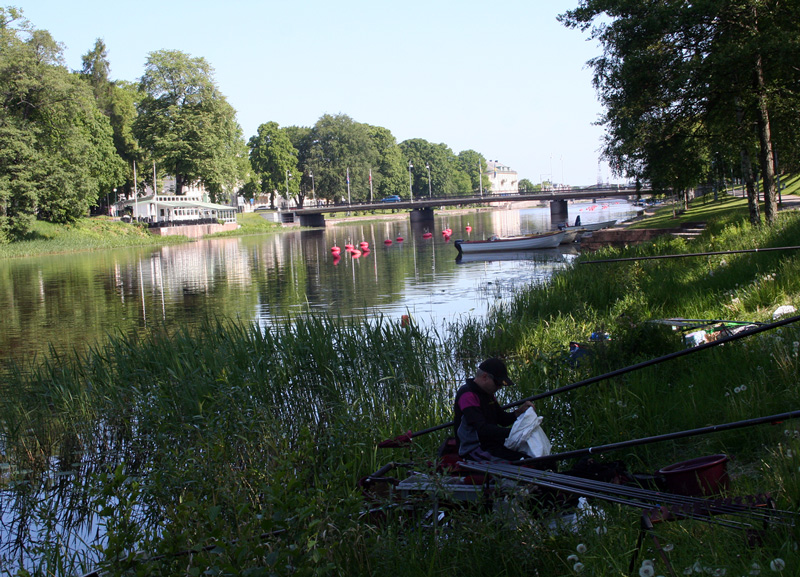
668	547
578	567
777	564
581	548
646	571
572	558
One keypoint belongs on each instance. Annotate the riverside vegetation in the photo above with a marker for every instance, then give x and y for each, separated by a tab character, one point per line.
233	450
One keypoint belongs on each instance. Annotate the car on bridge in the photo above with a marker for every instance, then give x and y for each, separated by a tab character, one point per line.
393	198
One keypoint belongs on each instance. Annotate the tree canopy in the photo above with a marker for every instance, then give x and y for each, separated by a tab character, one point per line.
688	87
186	123
56	146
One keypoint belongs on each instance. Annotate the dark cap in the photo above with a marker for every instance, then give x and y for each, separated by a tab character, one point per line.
497	368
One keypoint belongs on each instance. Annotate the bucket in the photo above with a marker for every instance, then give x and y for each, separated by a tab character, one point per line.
700	476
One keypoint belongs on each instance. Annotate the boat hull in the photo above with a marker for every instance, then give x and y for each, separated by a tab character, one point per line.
511	244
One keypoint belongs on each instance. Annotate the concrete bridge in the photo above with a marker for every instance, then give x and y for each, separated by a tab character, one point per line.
421	208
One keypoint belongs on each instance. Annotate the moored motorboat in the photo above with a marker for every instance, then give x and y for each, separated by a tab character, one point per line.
511	243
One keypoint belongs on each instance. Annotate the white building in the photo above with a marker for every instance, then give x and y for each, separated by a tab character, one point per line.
502	179
167	208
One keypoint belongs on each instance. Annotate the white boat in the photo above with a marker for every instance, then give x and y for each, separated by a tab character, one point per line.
511	243
592	226
572	233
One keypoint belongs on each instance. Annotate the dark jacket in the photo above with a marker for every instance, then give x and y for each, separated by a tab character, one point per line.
479	420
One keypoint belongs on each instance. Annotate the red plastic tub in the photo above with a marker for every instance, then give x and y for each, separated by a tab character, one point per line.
696	477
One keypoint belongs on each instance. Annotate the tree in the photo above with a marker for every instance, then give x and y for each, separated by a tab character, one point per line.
342	148
526	185
680	80
273	158
56	148
447	177
473	164
186	123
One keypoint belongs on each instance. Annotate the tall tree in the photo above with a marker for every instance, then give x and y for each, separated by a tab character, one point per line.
186	123
474	165
56	148
274	160
678	79
342	148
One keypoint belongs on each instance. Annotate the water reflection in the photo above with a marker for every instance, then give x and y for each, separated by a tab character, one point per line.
65	302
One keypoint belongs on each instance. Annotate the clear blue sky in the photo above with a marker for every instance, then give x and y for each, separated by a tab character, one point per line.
503	78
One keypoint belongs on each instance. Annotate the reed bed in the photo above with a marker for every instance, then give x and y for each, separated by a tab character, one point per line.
234	448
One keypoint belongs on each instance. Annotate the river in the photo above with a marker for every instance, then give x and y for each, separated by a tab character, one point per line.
64	303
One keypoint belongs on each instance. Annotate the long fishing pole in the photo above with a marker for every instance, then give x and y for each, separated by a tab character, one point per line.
405	438
665	437
654	257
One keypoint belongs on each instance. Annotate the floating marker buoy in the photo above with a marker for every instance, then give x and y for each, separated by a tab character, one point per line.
349	247
387	242
335	250
427	235
336	259
468	228
356	253
400	239
447	238
364	244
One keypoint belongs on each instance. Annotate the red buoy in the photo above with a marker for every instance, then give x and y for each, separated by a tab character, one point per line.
356	253
400	239
336	259
335	249
468	228
364	244
387	242
427	235
349	247
446	237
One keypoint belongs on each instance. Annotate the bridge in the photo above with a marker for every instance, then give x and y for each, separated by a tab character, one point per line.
422	207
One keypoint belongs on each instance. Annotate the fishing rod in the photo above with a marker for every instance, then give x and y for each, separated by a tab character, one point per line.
405	438
654	257
773	419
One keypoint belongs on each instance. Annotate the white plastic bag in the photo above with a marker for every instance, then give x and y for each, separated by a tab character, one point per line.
527	435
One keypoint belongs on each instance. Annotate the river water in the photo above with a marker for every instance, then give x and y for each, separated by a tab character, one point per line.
63	303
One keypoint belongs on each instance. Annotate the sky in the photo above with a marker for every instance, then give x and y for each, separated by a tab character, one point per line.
503	78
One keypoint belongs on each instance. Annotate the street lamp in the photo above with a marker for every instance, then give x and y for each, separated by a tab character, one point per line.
410	190
428	166
288	174
313	197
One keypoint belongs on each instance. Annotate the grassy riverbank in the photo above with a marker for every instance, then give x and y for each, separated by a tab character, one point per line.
226	434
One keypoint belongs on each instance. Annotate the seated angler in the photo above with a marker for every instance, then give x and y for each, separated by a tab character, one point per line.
481	425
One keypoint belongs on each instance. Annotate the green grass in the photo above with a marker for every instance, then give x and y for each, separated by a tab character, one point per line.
85	234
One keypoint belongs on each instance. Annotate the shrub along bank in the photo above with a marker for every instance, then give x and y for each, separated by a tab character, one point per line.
244	445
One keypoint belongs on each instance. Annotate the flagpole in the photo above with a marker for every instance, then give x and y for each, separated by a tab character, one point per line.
370	185
155	192
135	194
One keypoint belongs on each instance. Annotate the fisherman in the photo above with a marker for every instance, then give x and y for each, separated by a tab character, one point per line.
481	425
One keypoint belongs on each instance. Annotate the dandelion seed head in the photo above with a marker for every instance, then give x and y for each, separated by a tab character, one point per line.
581	548
777	564
578	567
648	562
737	390
743	388
572	558
668	547
646	571
601	530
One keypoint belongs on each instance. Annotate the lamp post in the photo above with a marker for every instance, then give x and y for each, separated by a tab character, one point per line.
428	166
480	178
288	174
313	197
410	190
